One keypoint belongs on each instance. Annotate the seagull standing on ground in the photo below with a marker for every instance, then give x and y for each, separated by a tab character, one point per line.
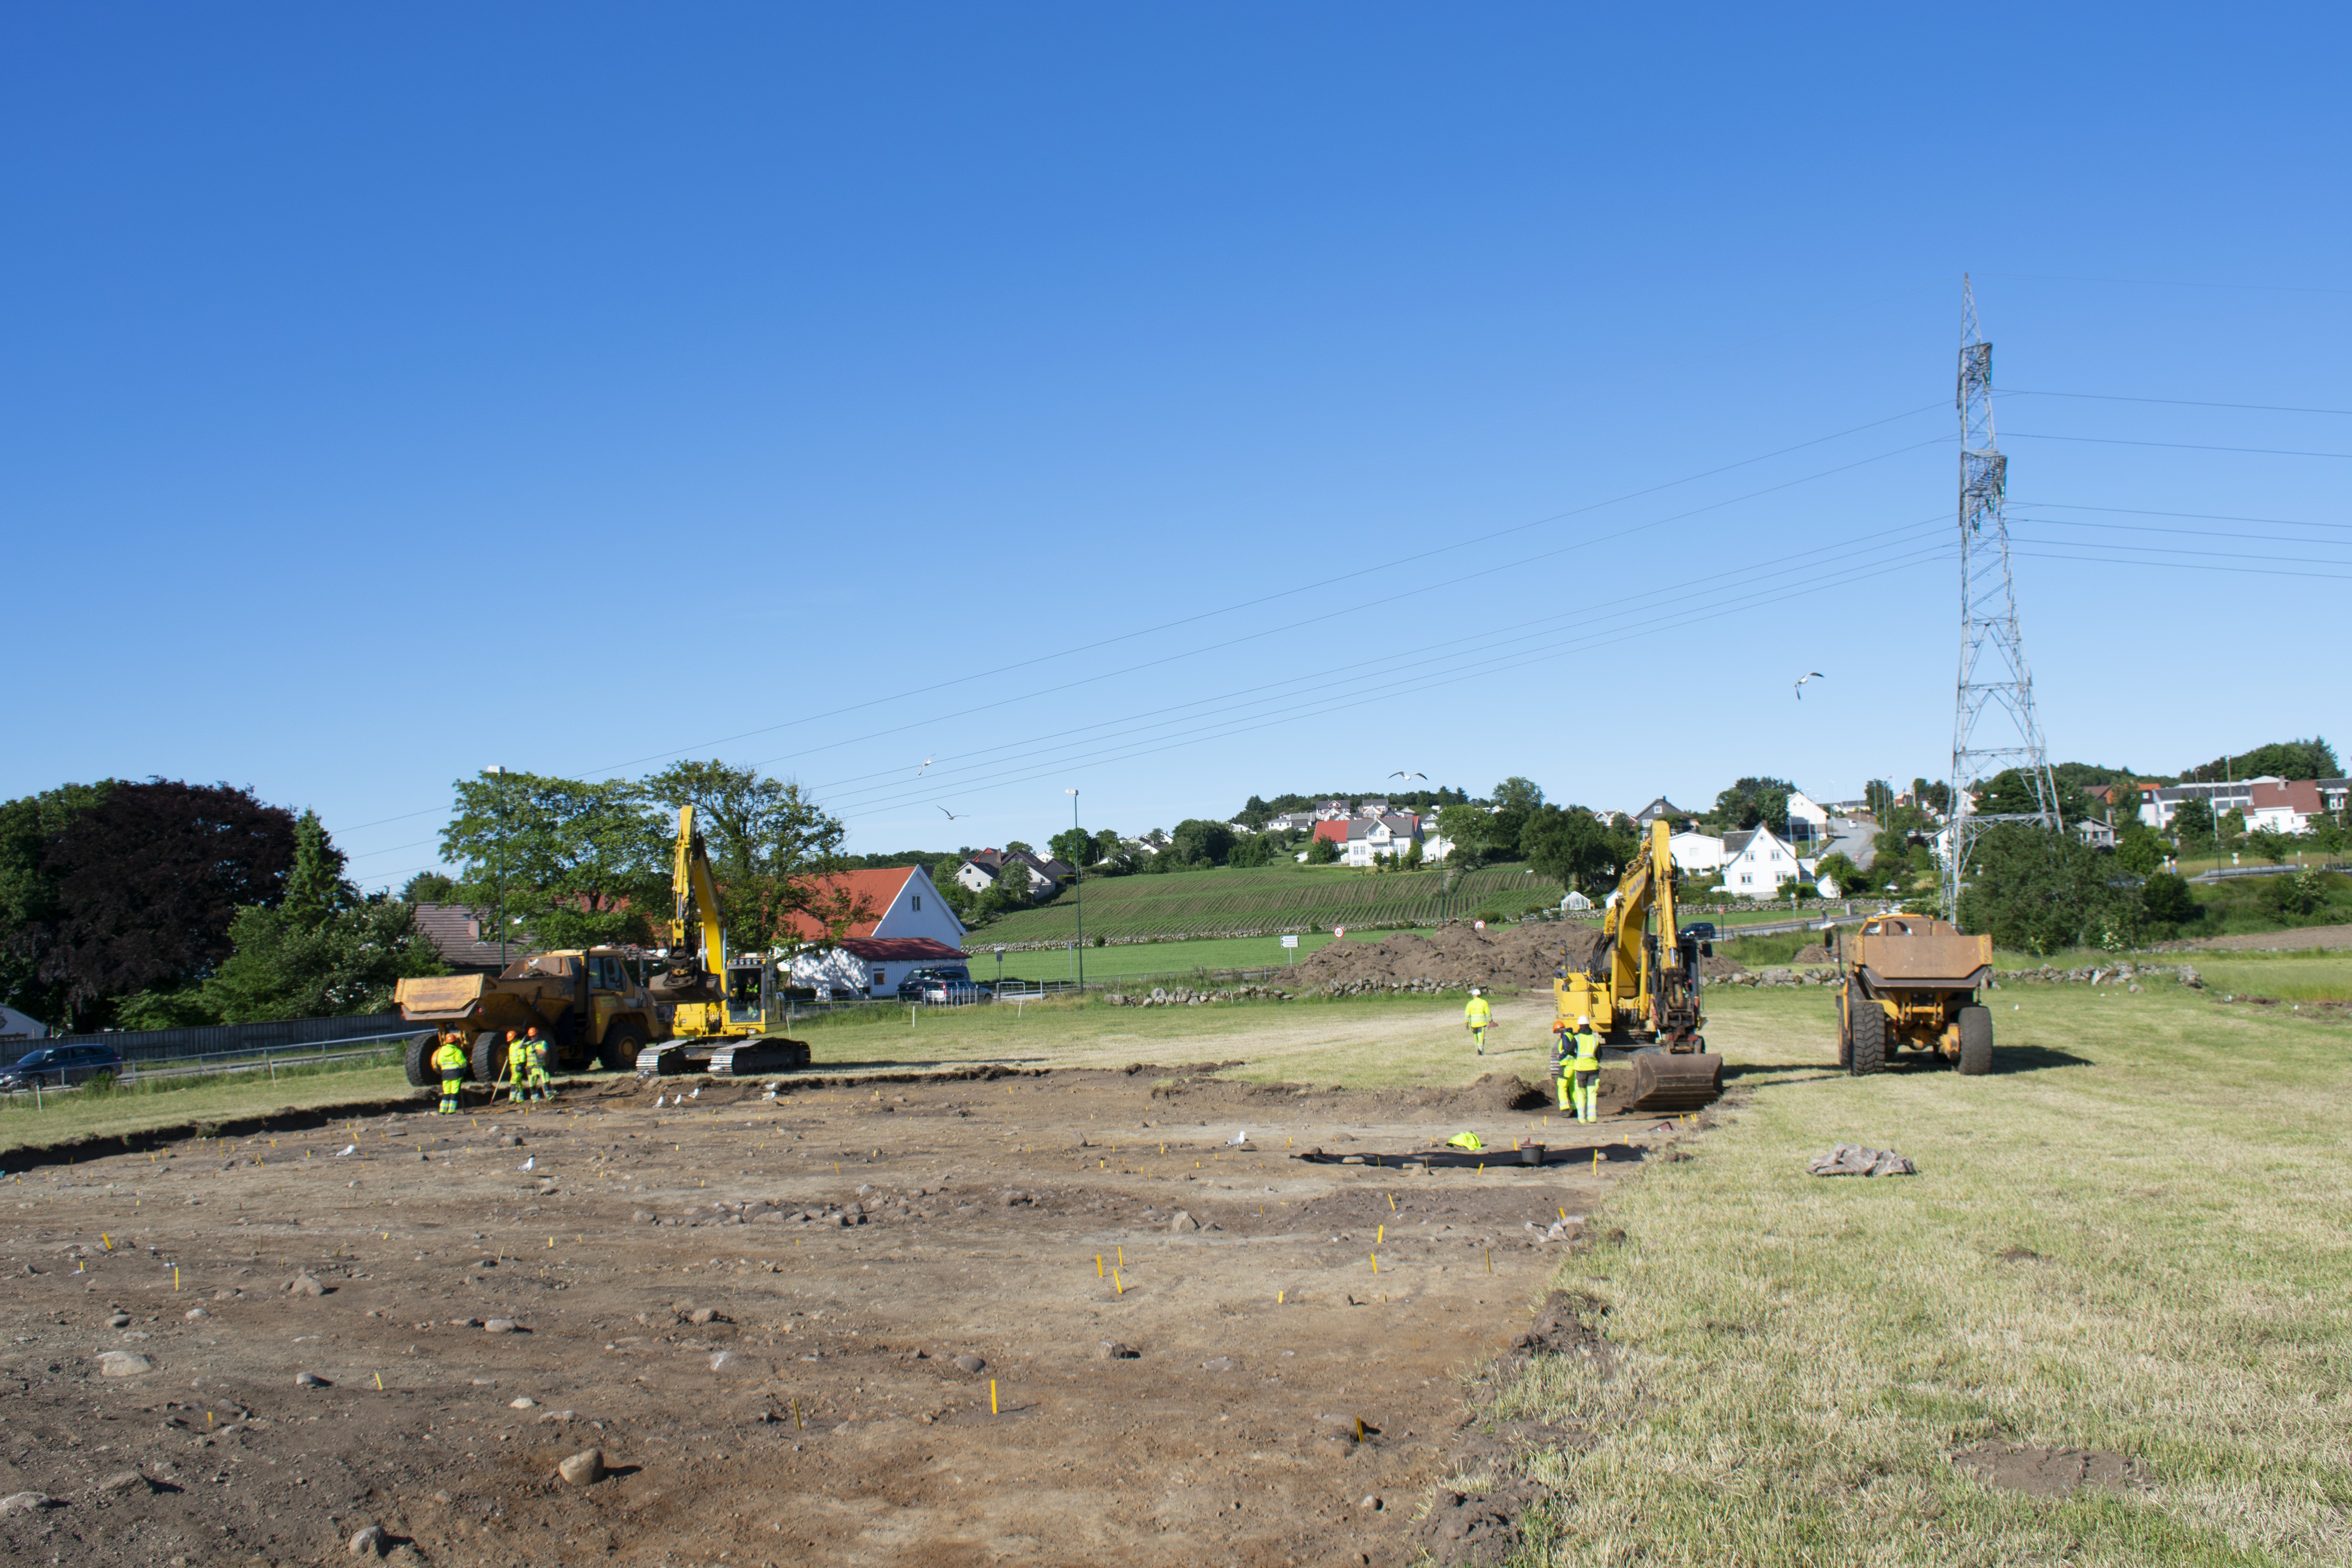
1809	675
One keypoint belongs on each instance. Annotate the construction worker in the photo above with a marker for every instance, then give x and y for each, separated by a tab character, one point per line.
541	1087
518	1067
1477	1018
1579	1074
449	1061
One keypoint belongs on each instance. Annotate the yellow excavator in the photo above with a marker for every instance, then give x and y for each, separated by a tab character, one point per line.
723	1010
1641	988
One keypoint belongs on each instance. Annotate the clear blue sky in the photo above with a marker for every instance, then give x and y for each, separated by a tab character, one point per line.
391	393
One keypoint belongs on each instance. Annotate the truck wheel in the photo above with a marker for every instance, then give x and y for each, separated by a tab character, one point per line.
488	1049
622	1043
1976	1041
1867	1050
419	1060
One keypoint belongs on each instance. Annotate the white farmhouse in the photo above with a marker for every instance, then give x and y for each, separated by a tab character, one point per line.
1381	836
907	926
1760	863
1808	823
1699	852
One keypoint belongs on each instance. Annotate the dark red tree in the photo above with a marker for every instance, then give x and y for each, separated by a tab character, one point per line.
147	881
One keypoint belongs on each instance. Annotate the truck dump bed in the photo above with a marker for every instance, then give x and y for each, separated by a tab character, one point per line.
1915	952
442	997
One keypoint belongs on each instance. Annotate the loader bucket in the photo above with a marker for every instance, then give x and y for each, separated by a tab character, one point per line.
1662	1081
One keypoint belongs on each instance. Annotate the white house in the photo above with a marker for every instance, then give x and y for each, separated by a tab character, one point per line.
1699	852
16	1026
908	926
980	869
1381	836
1435	846
1760	863
1808	823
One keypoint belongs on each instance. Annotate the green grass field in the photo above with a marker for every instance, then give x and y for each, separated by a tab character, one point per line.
175	1102
2105	1248
1226	900
1176	958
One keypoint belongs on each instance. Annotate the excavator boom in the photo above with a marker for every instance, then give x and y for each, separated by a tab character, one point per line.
1641	987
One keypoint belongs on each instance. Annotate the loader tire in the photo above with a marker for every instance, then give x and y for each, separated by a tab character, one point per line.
619	1051
418	1060
1868	1049
489	1055
1976	1041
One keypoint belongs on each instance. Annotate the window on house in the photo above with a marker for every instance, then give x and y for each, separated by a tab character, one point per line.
918	902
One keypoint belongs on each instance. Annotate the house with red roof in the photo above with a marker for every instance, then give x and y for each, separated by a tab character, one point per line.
903	926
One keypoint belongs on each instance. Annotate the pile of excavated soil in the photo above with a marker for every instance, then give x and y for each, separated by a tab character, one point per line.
1518	956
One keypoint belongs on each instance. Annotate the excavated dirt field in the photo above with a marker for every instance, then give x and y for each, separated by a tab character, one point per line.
861	1322
1513	955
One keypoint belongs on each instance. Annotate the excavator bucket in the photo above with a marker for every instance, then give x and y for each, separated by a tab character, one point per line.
1664	1081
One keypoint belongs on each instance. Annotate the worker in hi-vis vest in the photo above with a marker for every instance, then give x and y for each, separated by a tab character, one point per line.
1579	1073
449	1061
1477	1018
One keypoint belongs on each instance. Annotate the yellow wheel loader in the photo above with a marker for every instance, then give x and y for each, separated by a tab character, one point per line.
723	1011
1911	981
1641	987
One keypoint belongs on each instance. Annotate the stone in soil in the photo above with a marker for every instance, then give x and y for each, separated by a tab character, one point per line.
370	1542
123	1364
584	1468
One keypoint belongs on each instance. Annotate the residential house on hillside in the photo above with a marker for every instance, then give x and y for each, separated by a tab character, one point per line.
1674	815
1288	821
1334	830
1372	805
908	927
2287	807
1808	823
1759	864
1698	851
980	868
1383	836
2159	806
1332	810
1435	846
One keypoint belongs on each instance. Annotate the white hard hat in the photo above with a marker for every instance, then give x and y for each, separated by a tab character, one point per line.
1584	1020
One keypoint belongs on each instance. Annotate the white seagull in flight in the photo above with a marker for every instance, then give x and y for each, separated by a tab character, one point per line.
952	816
1400	773
1810	675
919	771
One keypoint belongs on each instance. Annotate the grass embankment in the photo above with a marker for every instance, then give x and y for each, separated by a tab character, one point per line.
2125	1239
179	1102
1224	900
1203	958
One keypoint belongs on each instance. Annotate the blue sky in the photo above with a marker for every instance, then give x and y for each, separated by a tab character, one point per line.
1170	403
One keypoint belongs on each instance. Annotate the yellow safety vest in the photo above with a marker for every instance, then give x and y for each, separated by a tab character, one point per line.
517	1059
449	1059
1587	1052
540	1054
1479	1011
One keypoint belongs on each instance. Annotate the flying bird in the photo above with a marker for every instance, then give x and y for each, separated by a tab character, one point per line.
919	771
1810	675
953	815
1400	773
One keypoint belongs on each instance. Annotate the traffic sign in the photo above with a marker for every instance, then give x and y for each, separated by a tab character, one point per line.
1290	941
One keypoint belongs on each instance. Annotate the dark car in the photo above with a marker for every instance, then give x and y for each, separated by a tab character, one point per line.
945	984
61	1065
1703	929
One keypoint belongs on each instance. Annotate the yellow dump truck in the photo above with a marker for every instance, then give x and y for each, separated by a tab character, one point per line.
586	1002
1912	982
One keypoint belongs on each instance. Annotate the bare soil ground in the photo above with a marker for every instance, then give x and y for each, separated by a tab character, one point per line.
861	1322
2293	941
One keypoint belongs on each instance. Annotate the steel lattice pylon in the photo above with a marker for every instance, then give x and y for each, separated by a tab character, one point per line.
1993	671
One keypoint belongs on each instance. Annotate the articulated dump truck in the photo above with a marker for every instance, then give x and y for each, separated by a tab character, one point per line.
1912	982
585	1001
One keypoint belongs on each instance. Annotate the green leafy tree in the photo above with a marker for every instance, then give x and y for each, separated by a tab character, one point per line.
2138	848
1414	855
1753	803
2298	896
2192	826
2310	759
1840	870
29	901
1254	850
1322	852
1466	827
429	888
1878	796
2041	892
1074	846
772	851
2168	901
1567	847
1936	796
573	863
1198	842
2271	843
1015	846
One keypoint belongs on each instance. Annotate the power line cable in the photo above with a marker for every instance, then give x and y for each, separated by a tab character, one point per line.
2182	446
2173	402
2202	516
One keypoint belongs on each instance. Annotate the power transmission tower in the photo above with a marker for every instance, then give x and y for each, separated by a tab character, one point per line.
1993	671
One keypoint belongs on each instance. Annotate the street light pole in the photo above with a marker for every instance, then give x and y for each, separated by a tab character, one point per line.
1078	883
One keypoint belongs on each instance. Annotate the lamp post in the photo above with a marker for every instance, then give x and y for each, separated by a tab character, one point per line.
1078	896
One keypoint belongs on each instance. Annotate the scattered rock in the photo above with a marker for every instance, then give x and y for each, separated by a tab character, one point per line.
26	1502
1222	1364
371	1541
311	1379
704	1315
120	1482
303	1285
500	1326
1181	1222
559	1418
1113	1350
196	1314
522	1402
584	1468
120	1320
972	1364
1853	1160
645	1216
123	1364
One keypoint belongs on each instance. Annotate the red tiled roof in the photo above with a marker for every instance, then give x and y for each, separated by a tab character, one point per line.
899	949
873	889
1336	830
2301	796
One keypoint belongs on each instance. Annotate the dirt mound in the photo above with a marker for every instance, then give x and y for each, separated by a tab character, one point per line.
1520	956
1816	953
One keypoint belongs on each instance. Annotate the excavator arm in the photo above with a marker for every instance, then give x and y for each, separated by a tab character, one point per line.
697	943
1642	976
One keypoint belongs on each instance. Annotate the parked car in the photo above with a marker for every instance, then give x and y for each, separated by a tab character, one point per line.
61	1065
1703	929
953	984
